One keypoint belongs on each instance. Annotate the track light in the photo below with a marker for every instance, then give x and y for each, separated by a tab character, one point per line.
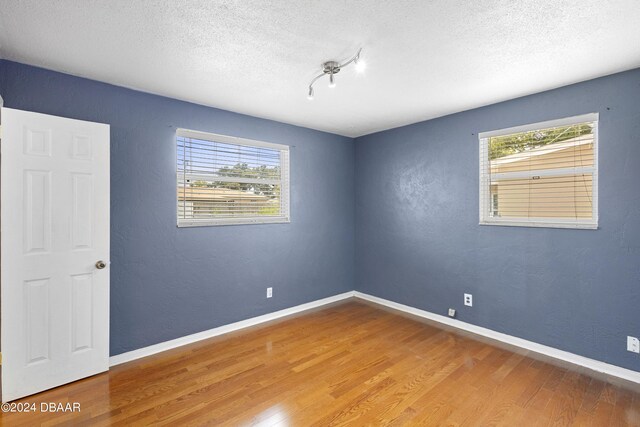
332	68
332	81
360	64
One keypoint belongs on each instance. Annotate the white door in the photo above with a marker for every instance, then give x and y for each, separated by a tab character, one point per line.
54	230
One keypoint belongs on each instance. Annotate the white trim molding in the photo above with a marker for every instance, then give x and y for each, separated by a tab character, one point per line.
592	364
566	121
221	330
207	136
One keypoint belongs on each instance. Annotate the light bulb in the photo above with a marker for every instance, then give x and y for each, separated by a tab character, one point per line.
332	82
360	65
310	95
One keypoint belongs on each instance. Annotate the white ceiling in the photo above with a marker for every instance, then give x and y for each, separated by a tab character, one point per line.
425	58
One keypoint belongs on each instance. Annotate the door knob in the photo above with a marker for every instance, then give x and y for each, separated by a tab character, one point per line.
100	265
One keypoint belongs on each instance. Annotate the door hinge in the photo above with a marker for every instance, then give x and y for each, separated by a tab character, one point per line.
0	359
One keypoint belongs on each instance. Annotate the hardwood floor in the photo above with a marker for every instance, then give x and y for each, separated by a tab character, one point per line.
348	364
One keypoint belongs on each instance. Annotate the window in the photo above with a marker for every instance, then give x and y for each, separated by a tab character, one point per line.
224	180
541	175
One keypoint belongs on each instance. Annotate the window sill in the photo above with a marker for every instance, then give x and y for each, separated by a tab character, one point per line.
232	221
542	224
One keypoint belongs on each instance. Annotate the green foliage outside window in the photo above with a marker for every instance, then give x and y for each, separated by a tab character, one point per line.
243	170
502	146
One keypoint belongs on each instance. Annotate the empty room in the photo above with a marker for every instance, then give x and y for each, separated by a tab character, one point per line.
297	213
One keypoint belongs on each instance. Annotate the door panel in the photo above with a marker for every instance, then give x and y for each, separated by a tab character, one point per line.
54	214
37	191
81	312
37	323
37	142
81	217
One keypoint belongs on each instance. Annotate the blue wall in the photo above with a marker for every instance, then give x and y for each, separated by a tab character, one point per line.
168	282
418	241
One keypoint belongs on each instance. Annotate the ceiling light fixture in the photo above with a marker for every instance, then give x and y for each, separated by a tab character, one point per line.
332	68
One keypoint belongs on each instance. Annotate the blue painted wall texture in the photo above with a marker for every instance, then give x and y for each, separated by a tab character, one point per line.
418	241
412	235
168	282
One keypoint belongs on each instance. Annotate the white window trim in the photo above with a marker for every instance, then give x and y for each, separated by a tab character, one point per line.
485	190
284	182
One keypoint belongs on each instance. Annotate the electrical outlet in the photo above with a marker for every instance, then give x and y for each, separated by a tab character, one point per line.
468	300
452	312
633	345
269	292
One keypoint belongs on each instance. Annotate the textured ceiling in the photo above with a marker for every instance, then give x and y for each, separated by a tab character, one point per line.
425	58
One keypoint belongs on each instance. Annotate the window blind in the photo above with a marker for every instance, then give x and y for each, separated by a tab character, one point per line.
226	180
540	175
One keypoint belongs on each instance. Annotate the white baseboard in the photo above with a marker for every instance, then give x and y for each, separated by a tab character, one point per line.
225	329
592	364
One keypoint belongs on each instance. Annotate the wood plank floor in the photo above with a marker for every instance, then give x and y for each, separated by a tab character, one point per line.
352	363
